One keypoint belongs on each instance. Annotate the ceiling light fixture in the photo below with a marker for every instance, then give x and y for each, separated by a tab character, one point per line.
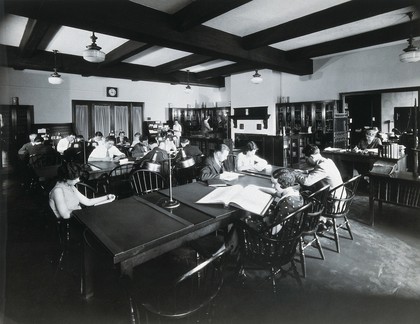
93	52
411	53
55	78
188	88
256	78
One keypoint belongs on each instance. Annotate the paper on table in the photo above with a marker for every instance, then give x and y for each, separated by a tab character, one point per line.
226	175
106	201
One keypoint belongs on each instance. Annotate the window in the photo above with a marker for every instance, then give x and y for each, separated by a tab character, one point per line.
92	116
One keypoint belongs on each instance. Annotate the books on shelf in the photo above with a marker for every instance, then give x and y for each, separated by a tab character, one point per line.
250	198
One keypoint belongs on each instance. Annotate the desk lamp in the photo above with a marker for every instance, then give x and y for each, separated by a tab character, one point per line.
153	165
185	162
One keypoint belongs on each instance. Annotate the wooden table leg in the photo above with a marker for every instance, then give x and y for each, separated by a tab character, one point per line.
86	284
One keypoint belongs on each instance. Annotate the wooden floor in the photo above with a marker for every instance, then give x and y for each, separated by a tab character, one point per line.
375	279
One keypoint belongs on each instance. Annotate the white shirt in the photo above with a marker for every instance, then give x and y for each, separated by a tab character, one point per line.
245	162
100	152
63	145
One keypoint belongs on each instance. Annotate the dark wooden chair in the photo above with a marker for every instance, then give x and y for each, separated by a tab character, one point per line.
86	190
273	252
338	206
145	181
190	285
310	223
118	181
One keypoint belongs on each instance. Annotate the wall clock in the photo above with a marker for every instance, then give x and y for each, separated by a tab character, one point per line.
111	92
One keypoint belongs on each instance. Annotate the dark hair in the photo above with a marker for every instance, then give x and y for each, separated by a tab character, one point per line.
79	137
110	138
122	132
99	134
250	146
68	171
310	149
39	139
221	148
184	140
285	177
143	138
137	134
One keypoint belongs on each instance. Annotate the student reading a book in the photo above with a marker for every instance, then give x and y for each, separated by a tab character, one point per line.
370	141
64	197
324	172
248	160
213	164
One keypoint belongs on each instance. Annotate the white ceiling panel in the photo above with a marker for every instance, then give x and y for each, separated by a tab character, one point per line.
156	55
11	29
362	26
262	14
167	6
208	66
74	41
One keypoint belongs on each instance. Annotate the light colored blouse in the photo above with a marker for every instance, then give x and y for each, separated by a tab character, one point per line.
245	162
70	197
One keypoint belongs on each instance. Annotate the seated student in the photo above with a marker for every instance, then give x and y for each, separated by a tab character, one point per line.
39	150
136	139
98	139
191	150
247	160
107	152
122	140
370	141
65	143
64	197
141	148
27	147
213	164
324	171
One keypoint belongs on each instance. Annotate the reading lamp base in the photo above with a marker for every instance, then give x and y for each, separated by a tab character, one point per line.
170	203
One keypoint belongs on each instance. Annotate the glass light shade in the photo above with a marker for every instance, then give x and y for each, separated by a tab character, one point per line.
93	54
188	89
256	78
55	78
411	54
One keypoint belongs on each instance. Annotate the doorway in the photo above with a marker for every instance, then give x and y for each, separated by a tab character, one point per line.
364	110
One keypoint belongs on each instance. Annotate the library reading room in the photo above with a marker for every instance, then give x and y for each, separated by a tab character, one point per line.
209	161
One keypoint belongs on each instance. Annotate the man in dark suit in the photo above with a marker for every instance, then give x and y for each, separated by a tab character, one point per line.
213	165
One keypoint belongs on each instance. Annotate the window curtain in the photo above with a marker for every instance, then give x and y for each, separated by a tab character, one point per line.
82	121
137	119
121	119
102	122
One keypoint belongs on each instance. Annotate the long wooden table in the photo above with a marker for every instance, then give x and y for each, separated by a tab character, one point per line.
137	229
399	188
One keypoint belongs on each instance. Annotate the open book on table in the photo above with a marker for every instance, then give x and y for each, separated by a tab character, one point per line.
250	198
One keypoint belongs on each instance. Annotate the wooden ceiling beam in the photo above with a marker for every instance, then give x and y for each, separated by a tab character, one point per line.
126	50
332	17
182	63
376	37
132	21
73	64
37	35
200	11
226	70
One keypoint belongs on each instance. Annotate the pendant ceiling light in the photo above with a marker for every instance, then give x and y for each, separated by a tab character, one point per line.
93	52
256	78
55	78
188	88
411	54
